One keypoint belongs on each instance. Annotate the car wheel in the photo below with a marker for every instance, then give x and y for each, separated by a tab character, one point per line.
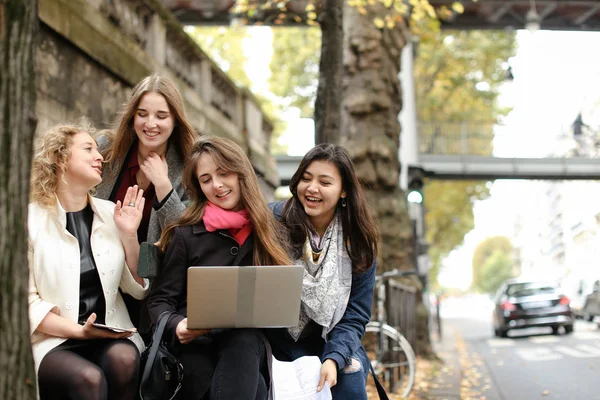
568	328
555	330
503	332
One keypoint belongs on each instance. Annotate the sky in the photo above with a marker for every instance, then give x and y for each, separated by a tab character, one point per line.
299	138
557	75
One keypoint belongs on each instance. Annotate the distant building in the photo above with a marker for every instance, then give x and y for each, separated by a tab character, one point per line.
557	233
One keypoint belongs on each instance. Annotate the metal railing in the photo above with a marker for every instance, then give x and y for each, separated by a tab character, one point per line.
401	302
475	138
456	138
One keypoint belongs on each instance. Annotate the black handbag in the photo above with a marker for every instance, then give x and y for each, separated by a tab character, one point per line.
162	373
150	260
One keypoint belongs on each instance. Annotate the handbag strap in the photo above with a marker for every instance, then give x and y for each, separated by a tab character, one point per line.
380	390
156	340
269	351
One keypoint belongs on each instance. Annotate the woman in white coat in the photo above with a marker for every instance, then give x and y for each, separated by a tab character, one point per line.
81	251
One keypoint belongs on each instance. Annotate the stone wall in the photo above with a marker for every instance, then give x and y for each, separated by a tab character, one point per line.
71	85
93	52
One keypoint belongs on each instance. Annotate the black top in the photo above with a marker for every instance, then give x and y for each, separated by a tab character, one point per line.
91	295
192	246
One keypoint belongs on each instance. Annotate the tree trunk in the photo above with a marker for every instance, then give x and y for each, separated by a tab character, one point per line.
370	130
329	92
18	28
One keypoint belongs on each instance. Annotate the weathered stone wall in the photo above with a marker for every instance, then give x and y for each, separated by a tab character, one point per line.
71	85
93	52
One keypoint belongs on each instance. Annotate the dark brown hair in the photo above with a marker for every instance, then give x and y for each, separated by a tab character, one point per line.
270	244
359	231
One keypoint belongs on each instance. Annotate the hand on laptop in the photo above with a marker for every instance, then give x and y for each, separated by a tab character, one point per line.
186	335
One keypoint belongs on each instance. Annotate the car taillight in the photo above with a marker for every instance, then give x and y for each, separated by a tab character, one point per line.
564	300
508	306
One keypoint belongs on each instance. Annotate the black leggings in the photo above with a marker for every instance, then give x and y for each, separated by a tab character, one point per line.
99	370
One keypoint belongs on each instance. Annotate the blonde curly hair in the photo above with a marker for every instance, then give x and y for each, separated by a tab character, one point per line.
51	156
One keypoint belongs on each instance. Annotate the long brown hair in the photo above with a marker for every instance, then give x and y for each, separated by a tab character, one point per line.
183	135
359	230
51	157
270	246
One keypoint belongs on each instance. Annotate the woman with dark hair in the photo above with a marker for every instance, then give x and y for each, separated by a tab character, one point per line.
333	235
149	148
226	209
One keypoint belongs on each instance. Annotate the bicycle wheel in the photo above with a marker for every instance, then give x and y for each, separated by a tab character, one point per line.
391	355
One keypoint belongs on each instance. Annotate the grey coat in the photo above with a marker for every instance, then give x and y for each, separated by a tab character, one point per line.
171	209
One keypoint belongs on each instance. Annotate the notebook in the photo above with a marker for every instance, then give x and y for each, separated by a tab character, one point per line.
244	297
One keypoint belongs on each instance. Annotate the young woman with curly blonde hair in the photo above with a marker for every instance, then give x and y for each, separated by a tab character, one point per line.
82	250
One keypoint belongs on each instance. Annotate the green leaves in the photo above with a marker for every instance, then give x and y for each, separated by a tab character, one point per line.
492	263
447	69
226	47
458	7
295	67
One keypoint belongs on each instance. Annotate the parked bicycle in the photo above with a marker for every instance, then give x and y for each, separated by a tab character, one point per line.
391	354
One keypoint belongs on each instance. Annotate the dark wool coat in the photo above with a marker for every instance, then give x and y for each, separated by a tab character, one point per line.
192	246
195	246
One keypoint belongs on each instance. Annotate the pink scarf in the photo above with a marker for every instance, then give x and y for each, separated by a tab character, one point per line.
236	222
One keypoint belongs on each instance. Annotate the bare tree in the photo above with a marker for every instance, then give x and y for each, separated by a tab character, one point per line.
18	29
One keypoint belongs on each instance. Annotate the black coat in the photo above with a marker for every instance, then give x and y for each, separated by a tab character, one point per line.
192	246
195	246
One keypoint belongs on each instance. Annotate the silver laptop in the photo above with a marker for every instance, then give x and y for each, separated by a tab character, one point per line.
244	297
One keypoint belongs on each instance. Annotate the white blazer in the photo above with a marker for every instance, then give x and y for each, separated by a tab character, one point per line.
54	271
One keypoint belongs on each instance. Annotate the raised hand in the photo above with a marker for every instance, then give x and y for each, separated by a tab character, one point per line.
128	215
156	169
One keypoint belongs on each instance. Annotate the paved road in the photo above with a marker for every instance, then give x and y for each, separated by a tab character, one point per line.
529	364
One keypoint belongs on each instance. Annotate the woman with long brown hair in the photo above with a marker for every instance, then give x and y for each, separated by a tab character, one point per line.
334	236
227	211
148	148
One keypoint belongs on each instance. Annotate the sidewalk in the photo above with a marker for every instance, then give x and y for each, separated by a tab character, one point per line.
444	382
435	379
457	375
460	375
